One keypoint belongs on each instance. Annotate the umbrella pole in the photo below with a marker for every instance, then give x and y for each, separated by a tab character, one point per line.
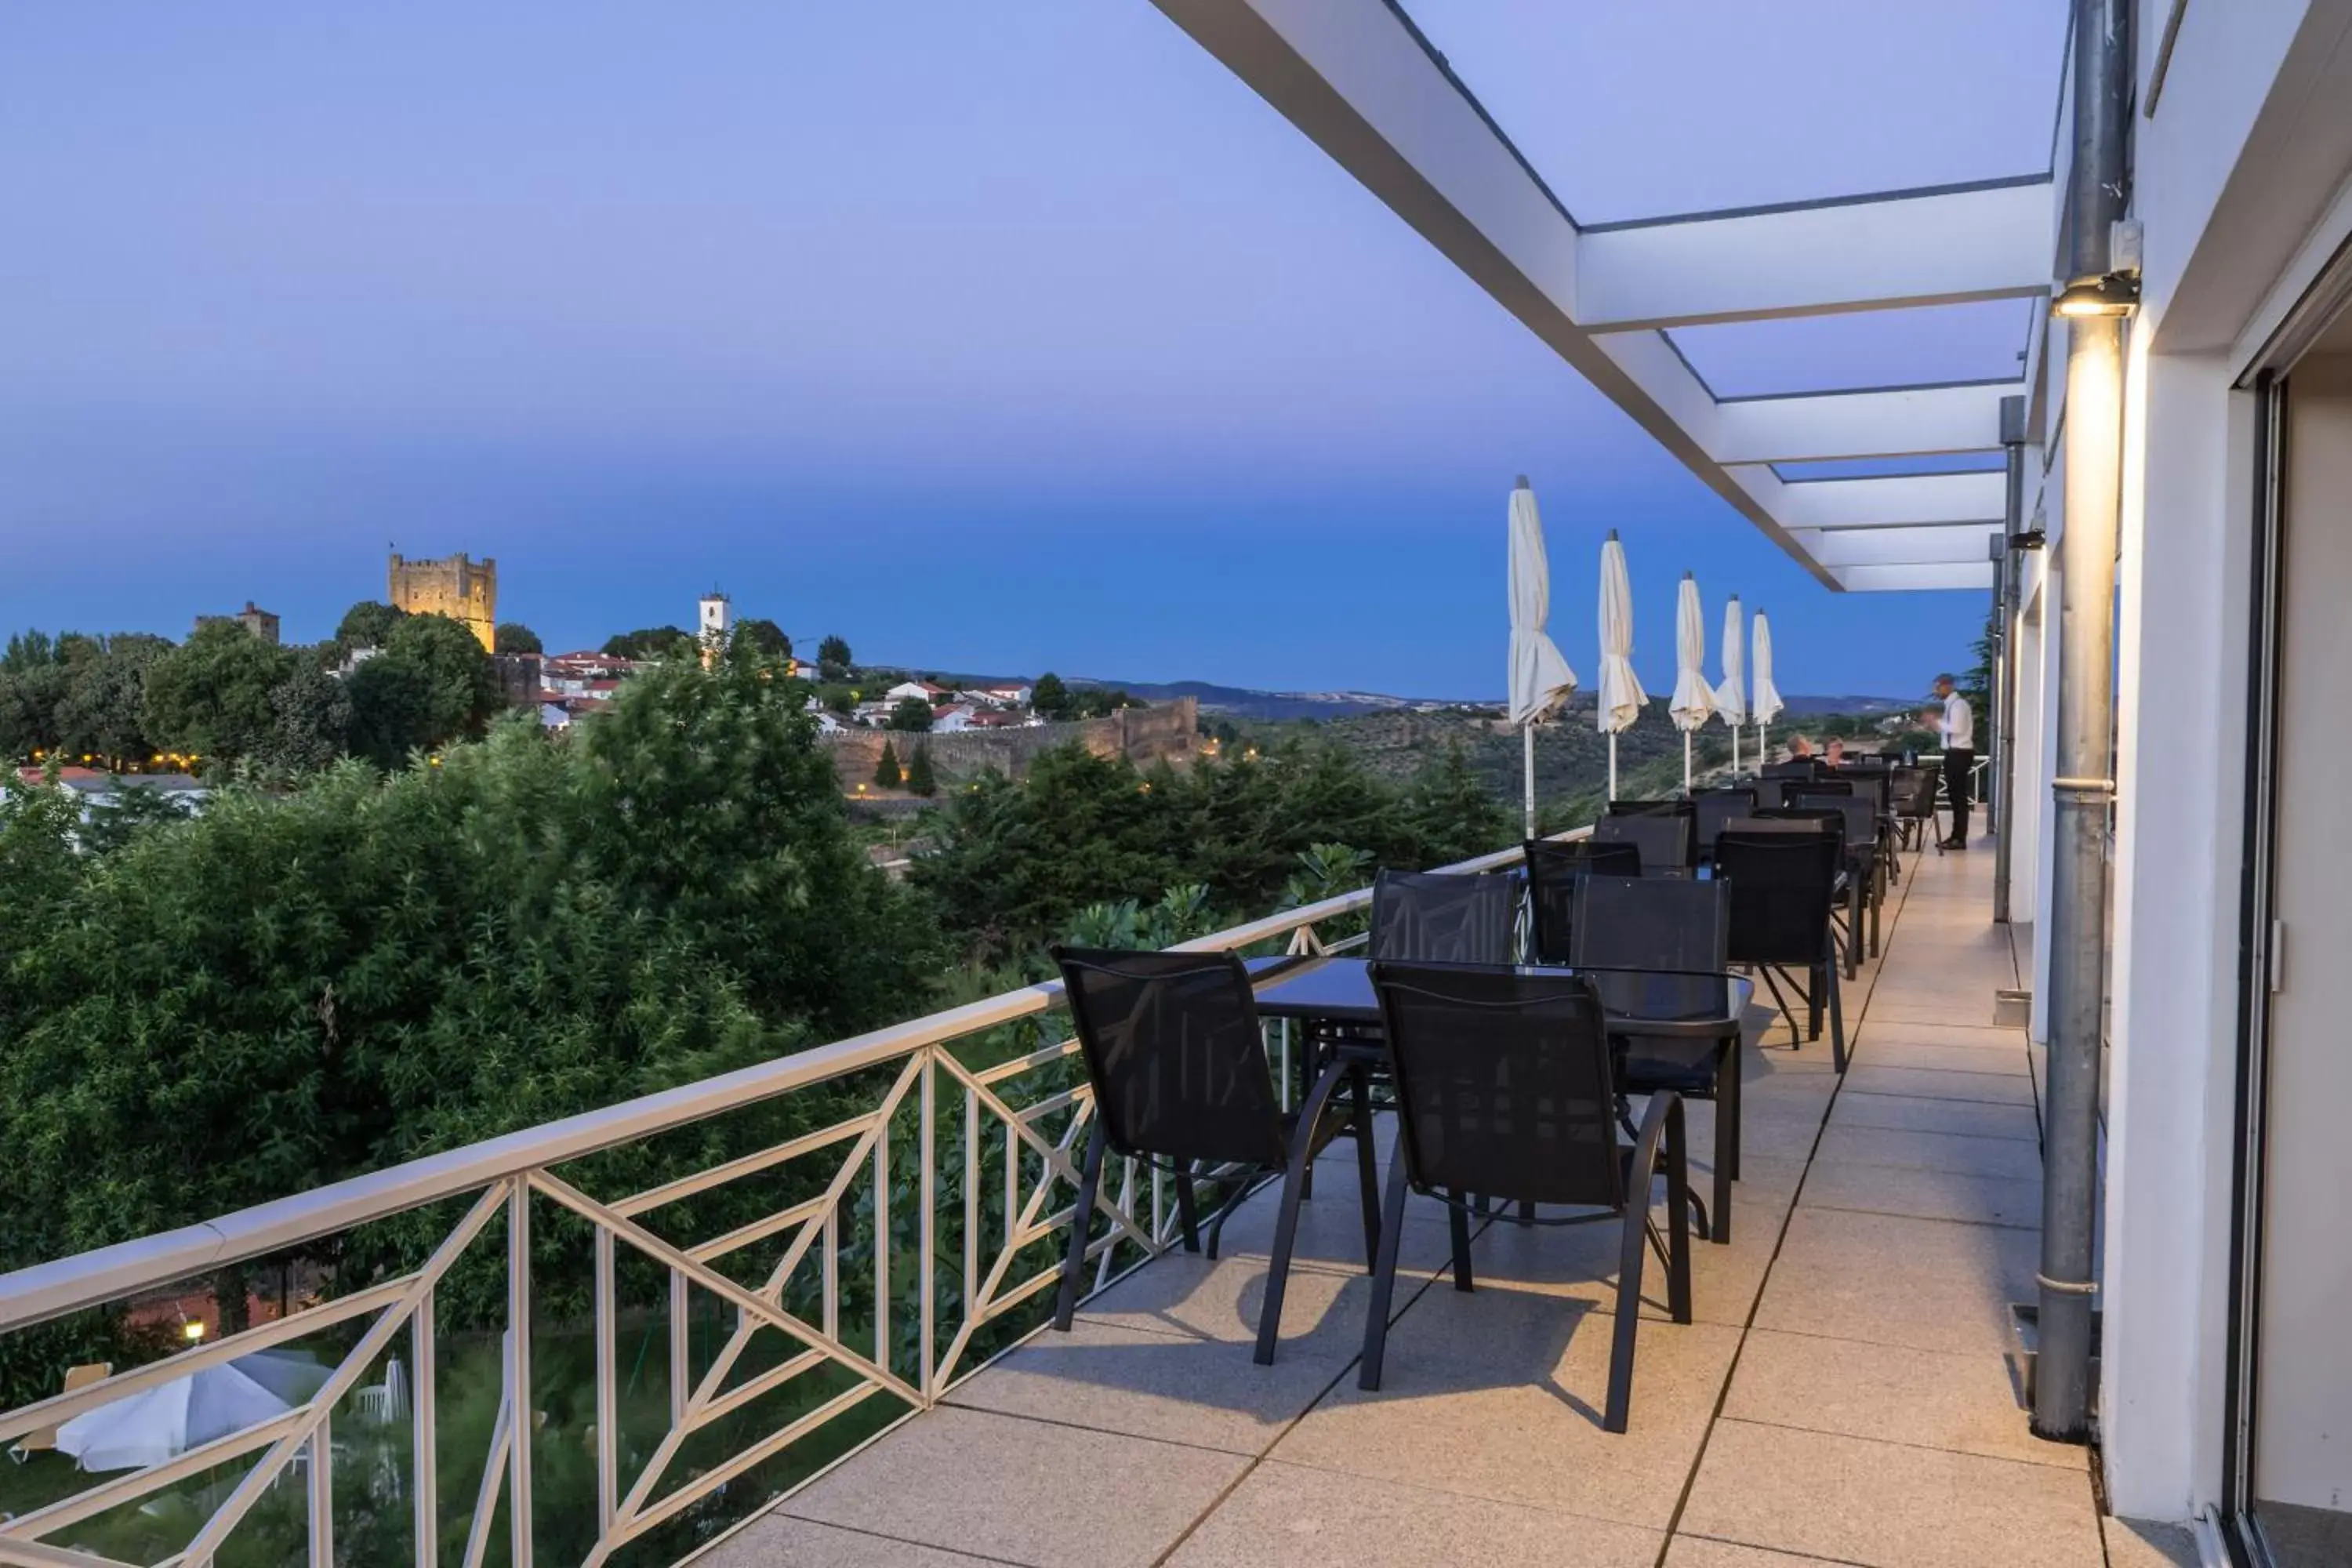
1613	765
1686	761
1735	753
1528	739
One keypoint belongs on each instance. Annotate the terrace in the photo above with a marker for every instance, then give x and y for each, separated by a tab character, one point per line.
726	1367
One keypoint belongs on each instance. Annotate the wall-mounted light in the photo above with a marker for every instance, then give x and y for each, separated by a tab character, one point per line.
2111	294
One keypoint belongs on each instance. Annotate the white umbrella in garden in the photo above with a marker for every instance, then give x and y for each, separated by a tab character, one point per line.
1731	697
1621	694
161	1423
1766	704
1540	679
1693	701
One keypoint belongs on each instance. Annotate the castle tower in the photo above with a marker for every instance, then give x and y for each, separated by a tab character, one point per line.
464	590
717	623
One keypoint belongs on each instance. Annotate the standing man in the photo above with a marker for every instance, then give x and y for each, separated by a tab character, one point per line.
1957	727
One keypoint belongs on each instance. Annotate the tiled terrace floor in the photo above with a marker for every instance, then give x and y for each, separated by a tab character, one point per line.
1843	1396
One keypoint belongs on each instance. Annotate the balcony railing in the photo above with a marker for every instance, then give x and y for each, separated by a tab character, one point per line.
865	1223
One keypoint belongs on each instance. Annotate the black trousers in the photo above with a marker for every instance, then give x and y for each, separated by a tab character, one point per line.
1959	774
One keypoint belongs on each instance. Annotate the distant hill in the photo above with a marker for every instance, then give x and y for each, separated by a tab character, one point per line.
1248	702
1254	703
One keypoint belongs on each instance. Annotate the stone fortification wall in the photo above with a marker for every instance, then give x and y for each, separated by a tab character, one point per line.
1143	735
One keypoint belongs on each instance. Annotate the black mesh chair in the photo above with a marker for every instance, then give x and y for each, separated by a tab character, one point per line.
1795	768
1864	869
1504	1087
1177	1061
1714	808
1424	916
1658	952
1768	789
1824	783
1664	831
1911	796
1553	871
1783	877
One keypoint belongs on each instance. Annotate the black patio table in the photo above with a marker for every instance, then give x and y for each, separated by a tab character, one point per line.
1661	1010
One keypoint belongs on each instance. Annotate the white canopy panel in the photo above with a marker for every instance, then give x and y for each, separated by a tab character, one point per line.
1612	299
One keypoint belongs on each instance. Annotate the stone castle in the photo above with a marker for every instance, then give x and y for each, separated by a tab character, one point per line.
455	587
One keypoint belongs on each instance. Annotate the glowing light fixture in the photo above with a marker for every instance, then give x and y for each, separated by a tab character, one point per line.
193	1331
2111	294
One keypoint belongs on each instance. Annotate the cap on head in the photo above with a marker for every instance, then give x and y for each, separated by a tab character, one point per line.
1946	681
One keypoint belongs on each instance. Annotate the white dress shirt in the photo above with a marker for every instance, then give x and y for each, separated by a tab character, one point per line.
1959	727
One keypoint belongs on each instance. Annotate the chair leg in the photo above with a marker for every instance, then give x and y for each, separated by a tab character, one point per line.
1526	1214
1376	1311
1727	1142
1678	1199
1368	1168
1188	1209
1813	989
1853	930
1458	1225
1633	1246
1074	1266
1286	1230
1837	1017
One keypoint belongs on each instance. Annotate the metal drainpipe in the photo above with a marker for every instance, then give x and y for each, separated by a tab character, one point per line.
2084	782
2004	717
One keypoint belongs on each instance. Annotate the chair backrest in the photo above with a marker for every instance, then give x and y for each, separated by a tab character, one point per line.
1649	923
44	1439
1795	768
1173	1049
1716	807
1784	885
1823	784
1828	817
1502	1084
1664	831
1861	816
1422	917
1770	788
1799	822
1553	871
1872	787
1913	792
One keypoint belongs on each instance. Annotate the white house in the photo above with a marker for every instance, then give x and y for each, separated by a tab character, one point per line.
922	689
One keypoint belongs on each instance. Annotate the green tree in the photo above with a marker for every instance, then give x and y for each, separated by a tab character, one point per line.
652	642
432	684
911	713
211	696
313	722
513	636
888	773
838	698
367	624
1050	697
920	779
832	661
762	636
103	707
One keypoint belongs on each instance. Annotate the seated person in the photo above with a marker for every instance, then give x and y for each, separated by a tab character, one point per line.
1798	748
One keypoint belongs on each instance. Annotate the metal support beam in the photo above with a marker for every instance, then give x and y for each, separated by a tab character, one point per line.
1989	240
1884	422
2085	782
2004	695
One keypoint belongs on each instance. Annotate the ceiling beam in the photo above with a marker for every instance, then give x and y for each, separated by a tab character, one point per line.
1944	247
1911	500
1956	544
1894	422
1913	579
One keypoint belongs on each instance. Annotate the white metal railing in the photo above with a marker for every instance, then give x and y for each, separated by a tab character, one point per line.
804	1342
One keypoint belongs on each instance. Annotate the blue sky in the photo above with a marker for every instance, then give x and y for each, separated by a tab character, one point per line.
1000	336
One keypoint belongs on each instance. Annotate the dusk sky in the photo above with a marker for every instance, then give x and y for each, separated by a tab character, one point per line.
994	337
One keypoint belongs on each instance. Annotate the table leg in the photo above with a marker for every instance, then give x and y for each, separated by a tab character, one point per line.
1728	1075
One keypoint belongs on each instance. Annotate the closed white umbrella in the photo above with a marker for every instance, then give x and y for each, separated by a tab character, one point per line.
1765	705
1540	679
162	1422
1621	694
1693	701
1731	697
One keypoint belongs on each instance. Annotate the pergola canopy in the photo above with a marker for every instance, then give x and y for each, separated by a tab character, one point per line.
1870	486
